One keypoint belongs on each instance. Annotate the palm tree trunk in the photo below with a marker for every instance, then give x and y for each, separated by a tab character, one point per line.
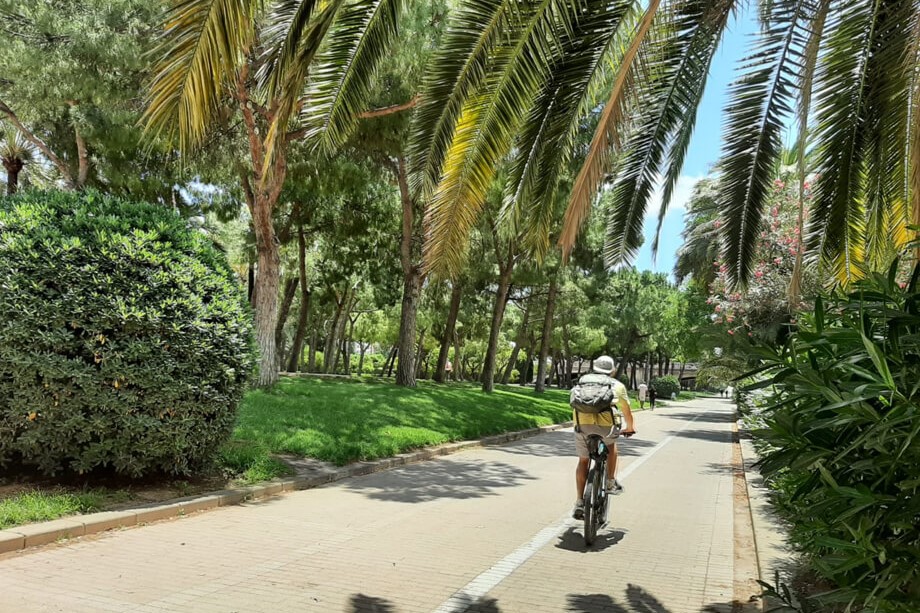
456	295
545	341
13	167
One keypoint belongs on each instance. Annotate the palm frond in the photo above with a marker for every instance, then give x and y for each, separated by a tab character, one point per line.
544	145
456	72
806	84
912	68
201	48
701	51
861	127
760	103
340	83
518	70
606	136
293	40
679	61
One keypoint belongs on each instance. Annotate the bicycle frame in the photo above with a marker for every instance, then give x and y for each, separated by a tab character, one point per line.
598	454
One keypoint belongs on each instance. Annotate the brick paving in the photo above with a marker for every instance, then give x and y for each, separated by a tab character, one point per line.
424	537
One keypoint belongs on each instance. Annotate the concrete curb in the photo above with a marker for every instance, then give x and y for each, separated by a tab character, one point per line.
33	535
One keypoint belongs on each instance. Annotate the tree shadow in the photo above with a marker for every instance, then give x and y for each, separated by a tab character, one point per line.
713	436
561	443
637	600
593	603
362	603
459	479
712	417
573	540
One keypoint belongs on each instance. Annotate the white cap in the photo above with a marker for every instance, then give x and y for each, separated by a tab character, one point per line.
604	365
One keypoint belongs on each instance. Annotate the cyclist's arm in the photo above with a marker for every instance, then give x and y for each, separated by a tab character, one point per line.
627	412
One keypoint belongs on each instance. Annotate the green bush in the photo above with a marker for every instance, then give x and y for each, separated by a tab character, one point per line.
666	385
842	446
125	340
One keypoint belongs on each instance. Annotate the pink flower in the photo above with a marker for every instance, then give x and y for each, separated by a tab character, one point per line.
732	332
777	260
902	285
751	334
718	308
729	319
759	274
718	224
779	184
774	211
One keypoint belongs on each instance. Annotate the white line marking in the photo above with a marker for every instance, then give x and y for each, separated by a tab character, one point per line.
467	596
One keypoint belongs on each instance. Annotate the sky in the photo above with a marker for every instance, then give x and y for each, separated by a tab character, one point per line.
703	153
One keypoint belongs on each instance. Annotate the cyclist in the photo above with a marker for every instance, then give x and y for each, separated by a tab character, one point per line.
601	424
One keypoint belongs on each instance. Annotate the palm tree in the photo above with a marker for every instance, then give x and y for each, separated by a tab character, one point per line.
18	154
516	78
291	70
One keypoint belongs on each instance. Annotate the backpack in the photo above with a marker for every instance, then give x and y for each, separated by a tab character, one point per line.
593	394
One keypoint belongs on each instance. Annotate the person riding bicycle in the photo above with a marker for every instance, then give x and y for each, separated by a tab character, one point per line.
600	423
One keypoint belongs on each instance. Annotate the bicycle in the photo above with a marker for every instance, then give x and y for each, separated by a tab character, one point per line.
596	497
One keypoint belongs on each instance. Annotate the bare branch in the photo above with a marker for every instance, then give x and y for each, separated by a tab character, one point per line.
390	110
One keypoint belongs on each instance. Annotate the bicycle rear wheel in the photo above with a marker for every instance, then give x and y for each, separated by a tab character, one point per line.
592	505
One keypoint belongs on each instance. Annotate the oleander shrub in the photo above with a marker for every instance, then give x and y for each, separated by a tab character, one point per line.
125	341
666	385
842	442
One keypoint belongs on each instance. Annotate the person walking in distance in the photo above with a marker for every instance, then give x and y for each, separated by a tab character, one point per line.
643	394
596	404
652	396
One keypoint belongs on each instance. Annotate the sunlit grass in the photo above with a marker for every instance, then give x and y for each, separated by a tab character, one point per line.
34	506
343	421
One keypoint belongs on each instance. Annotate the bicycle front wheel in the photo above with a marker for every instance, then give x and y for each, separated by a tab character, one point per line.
593	494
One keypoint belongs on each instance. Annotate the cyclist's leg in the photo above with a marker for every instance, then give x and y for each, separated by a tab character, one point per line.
581	477
612	461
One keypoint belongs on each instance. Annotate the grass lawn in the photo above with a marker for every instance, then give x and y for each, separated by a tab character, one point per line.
343	421
338	421
32	506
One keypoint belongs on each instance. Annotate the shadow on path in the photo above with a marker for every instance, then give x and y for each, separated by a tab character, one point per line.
712	417
361	603
635	599
574	540
714	436
435	480
562	444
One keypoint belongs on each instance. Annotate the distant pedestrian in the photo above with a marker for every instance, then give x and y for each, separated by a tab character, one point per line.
643	395
652	396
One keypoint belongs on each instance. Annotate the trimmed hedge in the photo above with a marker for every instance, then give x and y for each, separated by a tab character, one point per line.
125	340
666	385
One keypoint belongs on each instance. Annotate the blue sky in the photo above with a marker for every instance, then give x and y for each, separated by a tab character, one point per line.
704	149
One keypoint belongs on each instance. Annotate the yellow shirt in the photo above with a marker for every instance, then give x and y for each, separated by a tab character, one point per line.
605	418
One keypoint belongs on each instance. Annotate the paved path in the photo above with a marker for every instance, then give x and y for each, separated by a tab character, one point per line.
481	531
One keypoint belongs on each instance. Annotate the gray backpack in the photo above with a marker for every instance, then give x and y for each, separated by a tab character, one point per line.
593	394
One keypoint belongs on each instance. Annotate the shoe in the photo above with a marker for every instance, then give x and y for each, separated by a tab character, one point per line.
579	511
613	487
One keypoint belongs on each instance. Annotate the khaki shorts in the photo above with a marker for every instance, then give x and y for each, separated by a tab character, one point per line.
581	438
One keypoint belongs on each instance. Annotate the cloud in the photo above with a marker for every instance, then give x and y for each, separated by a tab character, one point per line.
679	199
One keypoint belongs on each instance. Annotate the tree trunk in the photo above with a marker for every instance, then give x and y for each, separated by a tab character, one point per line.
420	353
458	358
412	281
303	318
521	338
405	368
290	290
547	334
393	361
13	167
311	355
348	343
268	278
361	357
498	315
340	329
455	296
388	363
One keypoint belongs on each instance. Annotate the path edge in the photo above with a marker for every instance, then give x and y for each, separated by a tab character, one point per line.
19	538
